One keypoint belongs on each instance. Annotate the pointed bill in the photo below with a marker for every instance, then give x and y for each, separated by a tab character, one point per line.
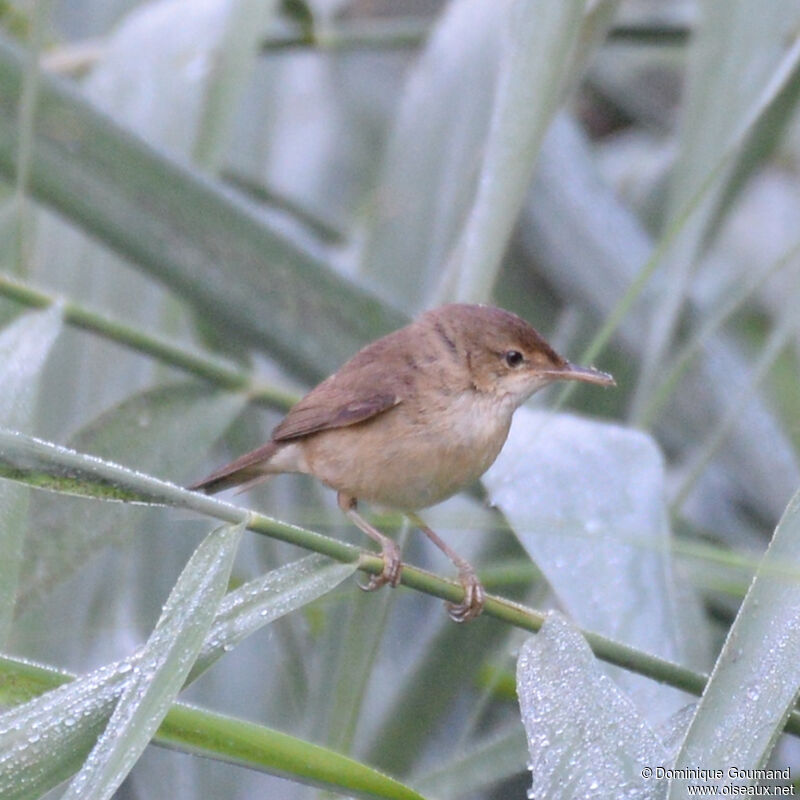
573	372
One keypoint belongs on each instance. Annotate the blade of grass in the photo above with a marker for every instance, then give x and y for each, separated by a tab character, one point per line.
374	34
429	170
257	747
537	54
736	57
778	340
59	747
681	361
160	667
24	348
402	33
30	89
202	365
756	679
237	49
223	738
265	599
783	73
250	281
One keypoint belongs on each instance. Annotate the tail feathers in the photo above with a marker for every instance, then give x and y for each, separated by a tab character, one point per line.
247	469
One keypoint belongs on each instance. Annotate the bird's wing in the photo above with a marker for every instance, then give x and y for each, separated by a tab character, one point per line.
364	387
319	413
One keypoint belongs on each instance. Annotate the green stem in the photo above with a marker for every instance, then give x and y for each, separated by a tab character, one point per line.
775	345
388	34
24	154
668	34
210	369
676	369
411	32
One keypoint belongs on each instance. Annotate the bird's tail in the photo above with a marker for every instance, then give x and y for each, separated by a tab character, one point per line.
246	470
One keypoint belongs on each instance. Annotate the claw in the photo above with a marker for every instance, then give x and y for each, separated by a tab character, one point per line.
392	568
474	598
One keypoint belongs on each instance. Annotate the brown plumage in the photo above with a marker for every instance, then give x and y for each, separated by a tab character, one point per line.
411	419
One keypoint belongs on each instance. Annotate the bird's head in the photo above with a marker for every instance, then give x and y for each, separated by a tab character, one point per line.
503	354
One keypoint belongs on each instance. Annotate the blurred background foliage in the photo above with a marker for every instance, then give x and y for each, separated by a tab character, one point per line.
207	205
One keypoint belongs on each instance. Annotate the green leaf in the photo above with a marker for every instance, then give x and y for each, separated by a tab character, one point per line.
585	738
58	469
429	174
24	347
464	141
190	730
165	431
235	54
595	251
481	766
254	746
735	58
599	492
160	667
46	740
249	280
540	41
756	680
265	599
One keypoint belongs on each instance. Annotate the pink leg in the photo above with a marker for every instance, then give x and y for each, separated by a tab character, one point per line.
474	593
392	564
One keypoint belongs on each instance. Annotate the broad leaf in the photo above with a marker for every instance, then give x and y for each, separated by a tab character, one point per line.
756	679
585	738
587	501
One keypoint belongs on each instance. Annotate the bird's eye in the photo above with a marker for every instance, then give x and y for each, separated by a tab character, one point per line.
513	358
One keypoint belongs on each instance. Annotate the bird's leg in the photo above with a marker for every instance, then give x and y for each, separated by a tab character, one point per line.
474	593
390	552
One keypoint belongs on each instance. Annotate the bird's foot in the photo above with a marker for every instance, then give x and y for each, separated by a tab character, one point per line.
474	597
392	567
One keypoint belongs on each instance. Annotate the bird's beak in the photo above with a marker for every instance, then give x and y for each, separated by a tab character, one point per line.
572	372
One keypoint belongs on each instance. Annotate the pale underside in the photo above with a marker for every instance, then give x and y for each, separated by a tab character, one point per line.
403	459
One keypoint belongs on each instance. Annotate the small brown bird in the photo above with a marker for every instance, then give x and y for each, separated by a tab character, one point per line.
410	420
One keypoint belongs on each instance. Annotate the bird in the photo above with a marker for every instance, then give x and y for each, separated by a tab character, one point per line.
410	420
